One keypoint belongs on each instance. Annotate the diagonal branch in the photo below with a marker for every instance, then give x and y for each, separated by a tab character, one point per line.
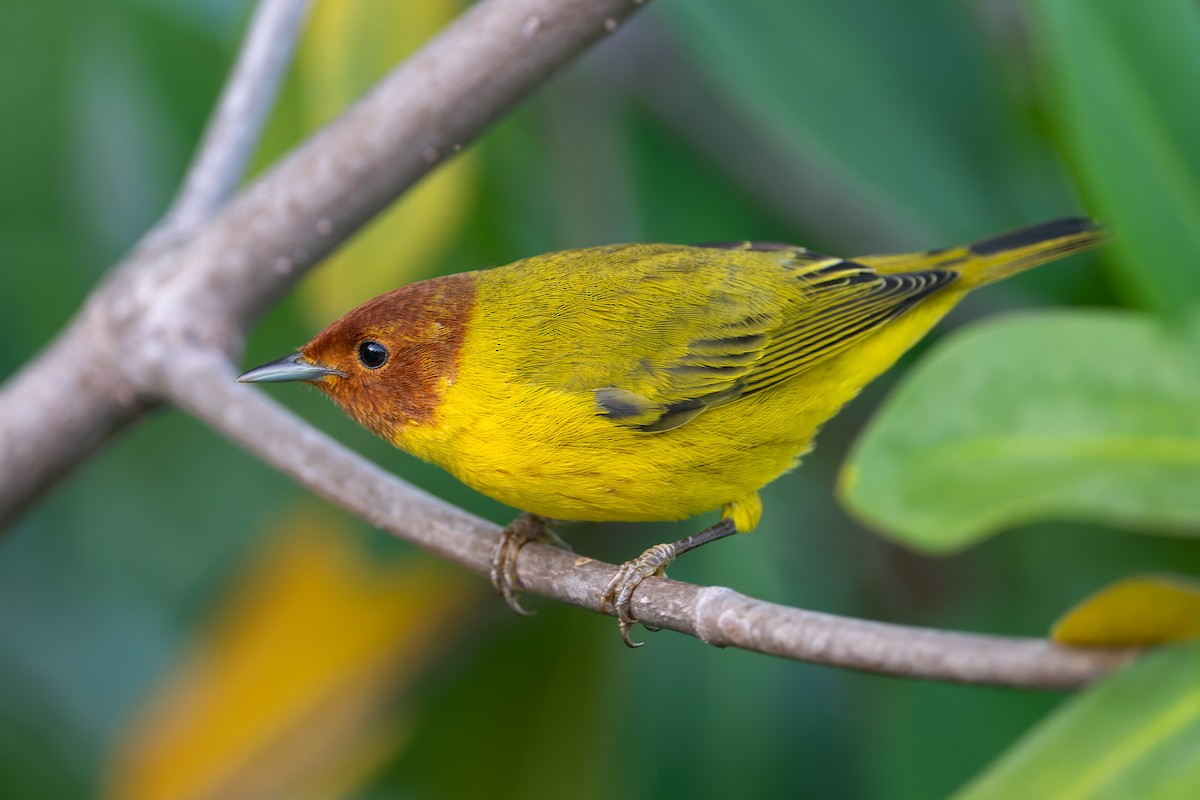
717	615
60	409
205	289
97	396
236	124
425	111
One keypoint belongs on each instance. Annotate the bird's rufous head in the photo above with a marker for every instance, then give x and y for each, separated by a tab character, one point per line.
386	362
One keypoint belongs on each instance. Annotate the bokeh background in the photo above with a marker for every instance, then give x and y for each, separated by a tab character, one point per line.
179	621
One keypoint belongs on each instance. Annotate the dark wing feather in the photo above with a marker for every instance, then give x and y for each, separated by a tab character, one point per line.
864	301
659	395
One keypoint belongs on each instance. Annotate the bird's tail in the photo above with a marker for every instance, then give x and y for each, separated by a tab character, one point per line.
1004	254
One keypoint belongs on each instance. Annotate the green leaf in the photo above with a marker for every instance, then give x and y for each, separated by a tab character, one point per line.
1067	415
1134	735
898	104
1123	80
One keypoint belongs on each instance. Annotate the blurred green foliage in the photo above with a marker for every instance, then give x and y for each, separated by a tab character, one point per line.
1116	73
864	125
989	432
1134	736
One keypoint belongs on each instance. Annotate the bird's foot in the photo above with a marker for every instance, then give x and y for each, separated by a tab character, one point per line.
618	596
525	528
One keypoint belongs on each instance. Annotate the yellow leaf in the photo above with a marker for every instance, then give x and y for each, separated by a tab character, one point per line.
285	695
1140	610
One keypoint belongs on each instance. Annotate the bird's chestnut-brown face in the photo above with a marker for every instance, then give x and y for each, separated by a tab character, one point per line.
389	360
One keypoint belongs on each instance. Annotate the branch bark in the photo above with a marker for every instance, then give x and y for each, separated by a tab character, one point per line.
60	409
236	124
165	324
206	288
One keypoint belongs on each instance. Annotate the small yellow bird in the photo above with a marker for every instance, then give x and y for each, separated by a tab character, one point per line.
640	382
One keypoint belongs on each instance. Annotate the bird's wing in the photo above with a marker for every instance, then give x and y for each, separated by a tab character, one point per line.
745	337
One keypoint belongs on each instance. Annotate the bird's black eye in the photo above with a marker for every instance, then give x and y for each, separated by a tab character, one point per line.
373	355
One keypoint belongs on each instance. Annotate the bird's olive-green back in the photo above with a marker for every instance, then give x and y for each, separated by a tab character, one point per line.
660	332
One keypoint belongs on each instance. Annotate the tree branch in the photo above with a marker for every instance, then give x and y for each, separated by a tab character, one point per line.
236	125
206	288
60	409
74	396
424	112
716	615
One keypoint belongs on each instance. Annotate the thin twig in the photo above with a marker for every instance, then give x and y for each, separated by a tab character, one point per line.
236	125
716	615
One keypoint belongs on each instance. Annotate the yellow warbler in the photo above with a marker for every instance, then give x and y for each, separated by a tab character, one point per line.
644	381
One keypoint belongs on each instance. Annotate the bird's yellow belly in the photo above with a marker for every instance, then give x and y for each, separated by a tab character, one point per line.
568	462
600	472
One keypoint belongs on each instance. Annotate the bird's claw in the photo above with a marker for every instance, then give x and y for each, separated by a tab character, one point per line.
525	528
504	570
618	596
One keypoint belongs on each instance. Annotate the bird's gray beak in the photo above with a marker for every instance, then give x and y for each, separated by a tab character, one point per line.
289	368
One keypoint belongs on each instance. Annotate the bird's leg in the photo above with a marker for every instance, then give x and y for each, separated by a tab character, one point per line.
619	594
525	528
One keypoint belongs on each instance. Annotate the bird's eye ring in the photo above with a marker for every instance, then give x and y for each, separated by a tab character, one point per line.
372	354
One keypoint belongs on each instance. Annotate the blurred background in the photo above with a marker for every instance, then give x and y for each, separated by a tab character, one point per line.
179	621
